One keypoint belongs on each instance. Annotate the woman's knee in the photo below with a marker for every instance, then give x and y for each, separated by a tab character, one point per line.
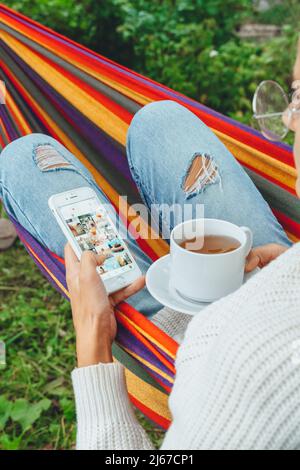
28	177
150	125
152	117
24	158
17	156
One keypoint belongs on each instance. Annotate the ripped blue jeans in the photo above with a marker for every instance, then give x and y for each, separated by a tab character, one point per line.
174	158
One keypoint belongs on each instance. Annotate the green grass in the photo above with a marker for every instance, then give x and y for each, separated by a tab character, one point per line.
36	397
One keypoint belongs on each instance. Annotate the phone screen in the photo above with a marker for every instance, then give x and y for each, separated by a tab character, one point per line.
89	224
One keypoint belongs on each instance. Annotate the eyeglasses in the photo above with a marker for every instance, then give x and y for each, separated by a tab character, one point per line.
274	111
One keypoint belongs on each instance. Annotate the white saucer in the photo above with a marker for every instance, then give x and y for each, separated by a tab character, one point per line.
157	282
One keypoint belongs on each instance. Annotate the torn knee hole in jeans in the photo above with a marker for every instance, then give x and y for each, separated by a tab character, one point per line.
48	158
202	172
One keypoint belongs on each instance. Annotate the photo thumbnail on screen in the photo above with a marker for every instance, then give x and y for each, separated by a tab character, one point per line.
93	231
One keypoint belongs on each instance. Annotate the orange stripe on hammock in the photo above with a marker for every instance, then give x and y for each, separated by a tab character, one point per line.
108	103
122	319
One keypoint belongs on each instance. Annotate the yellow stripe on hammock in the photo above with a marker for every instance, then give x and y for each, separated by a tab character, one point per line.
135	96
270	166
148	336
152	398
292	237
86	104
15	110
130	93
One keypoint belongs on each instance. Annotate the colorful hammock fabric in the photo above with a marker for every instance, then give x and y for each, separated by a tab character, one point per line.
60	88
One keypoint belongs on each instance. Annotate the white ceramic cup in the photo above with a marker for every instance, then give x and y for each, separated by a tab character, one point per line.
207	277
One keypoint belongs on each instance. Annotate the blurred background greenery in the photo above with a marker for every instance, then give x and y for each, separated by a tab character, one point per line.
202	49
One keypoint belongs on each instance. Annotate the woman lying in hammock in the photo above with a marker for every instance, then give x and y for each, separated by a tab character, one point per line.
238	372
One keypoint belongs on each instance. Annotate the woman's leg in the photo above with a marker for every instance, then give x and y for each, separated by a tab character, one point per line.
33	168
176	160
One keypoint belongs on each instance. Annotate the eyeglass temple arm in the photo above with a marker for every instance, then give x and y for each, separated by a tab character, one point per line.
270	115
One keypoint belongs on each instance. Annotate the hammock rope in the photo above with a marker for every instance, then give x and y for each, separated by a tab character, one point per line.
58	87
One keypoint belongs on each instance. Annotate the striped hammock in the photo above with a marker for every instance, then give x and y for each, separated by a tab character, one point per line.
58	87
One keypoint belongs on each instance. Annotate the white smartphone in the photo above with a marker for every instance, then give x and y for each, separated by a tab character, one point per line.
87	226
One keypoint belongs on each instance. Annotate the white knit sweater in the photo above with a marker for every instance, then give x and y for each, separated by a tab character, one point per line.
238	376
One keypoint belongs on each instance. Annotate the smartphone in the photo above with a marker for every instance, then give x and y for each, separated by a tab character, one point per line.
87	226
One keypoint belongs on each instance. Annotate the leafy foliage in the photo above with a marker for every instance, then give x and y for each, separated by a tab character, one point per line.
279	13
35	323
193	47
90	22
168	36
235	69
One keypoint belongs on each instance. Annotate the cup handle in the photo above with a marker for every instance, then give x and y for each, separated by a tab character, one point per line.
249	241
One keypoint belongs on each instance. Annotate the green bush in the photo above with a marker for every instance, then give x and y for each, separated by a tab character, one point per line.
193	48
89	22
233	72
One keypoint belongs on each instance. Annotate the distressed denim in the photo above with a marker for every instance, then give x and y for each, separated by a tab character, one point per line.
163	140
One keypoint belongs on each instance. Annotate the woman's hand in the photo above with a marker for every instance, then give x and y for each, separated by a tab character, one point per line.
92	308
262	255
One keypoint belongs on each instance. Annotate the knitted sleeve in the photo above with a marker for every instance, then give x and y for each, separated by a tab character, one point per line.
171	322
105	418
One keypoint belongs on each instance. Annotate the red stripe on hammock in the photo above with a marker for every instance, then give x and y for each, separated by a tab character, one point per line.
5	131
15	118
161	337
2	143
112	106
115	75
29	102
156	418
289	224
139	336
216	122
270	178
67	40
